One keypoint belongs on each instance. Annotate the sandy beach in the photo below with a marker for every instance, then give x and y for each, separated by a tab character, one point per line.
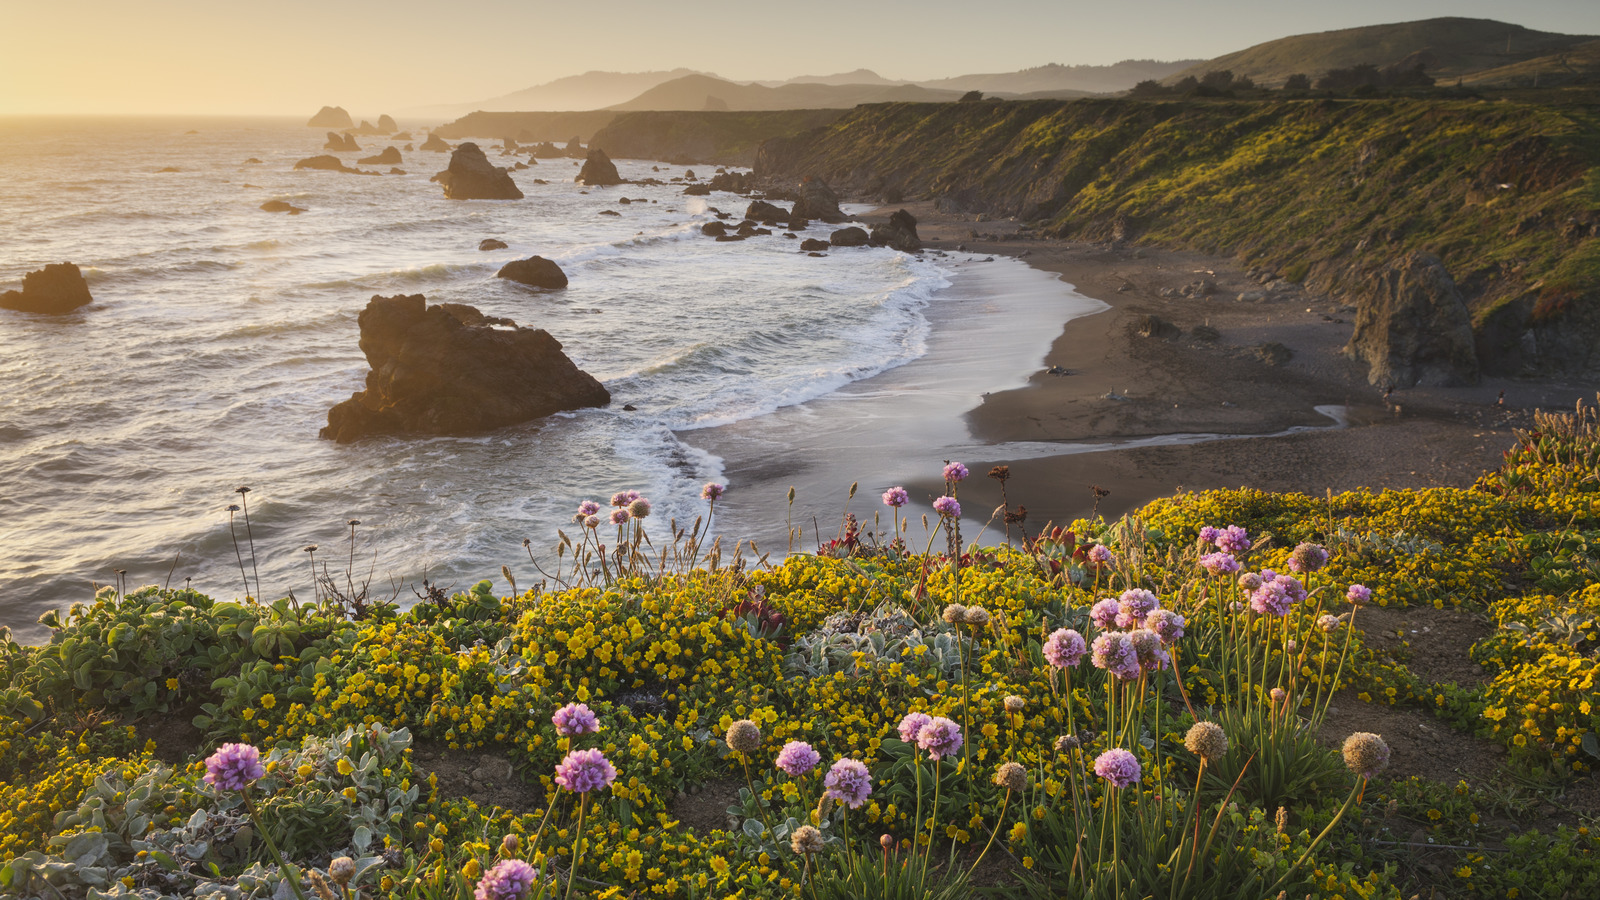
1118	375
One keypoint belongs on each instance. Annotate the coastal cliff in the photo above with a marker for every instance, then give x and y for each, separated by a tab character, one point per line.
1326	191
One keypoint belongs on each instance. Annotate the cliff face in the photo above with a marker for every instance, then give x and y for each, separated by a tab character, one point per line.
1506	194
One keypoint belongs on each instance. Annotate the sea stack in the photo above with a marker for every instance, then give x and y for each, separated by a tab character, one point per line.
472	177
900	233
598	170
54	290
451	370
1413	327
331	117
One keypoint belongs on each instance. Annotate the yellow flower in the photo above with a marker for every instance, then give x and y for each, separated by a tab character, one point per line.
345	768
268	701
172	684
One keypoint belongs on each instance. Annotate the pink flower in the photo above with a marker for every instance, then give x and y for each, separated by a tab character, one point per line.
1114	652
848	782
583	771
896	497
911	724
955	471
1100	555
1358	594
575	719
1104	613
1219	563
1167	624
1308	558
508	879
940	737
712	491
1233	539
620	516
1118	767
1064	648
233	767
1133	606
797	758
947	507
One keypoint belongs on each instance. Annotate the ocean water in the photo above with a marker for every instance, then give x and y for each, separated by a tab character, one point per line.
220	335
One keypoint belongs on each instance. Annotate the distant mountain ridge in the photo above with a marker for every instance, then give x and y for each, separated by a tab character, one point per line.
1055	77
703	92
1450	47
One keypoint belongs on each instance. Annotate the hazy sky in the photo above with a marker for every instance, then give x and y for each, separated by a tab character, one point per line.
374	56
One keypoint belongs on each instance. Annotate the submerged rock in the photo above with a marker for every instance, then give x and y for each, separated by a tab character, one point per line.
331	117
900	232
54	290
535	271
433	373
472	177
275	206
1412	327
491	244
389	157
598	170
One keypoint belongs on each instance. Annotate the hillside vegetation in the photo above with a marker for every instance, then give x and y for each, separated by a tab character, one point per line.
527	127
1449	47
694	138
1507	194
703	92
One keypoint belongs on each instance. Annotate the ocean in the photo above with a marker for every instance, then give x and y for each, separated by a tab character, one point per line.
221	335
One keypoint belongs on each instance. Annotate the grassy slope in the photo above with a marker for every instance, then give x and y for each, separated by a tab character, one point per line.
1323	189
557	127
1457	46
1575	65
694	138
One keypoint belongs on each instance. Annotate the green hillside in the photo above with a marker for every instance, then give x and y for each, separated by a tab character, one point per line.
1449	47
1507	194
1579	64
696	138
702	92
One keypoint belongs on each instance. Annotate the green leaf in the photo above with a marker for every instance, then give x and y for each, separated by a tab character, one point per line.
1591	744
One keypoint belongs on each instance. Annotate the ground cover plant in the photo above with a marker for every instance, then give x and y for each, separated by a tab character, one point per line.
1138	708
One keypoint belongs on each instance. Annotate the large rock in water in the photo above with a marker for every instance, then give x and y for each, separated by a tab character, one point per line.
598	169
433	373
435	144
54	290
387	124
818	201
1413	328
331	117
341	143
535	271
472	177
900	232
390	156
849	237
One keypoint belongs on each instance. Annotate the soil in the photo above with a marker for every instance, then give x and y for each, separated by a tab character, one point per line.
484	776
177	740
707	809
1435	642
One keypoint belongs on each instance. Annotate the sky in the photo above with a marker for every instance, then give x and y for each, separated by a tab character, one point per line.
290	57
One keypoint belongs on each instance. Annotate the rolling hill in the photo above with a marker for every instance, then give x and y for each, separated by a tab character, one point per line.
1056	78
1450	48
703	92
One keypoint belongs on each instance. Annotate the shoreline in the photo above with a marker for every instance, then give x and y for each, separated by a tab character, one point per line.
1121	377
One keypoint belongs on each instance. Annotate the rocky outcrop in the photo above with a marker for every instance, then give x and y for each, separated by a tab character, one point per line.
812	244
598	170
341	143
713	229
54	290
900	232
491	244
472	177
331	117
849	237
732	182
766	213
389	157
435	144
818	201
330	163
275	206
535	271
1412	327
387	125
432	373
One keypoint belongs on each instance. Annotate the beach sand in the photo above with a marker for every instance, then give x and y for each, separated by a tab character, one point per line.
1123	384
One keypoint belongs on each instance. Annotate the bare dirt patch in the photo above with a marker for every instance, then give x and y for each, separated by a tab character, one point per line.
707	810
176	738
1419	744
1432	643
485	776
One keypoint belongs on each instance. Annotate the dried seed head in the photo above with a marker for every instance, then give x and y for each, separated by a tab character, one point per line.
1014	704
955	614
976	615
1365	753
1207	740
319	885
1067	742
1012	776
744	736
807	840
342	869
1283	820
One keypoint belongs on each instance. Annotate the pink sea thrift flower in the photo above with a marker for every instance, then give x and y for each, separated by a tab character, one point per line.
1118	767
1249	581
848	782
797	758
575	719
911	725
947	507
508	879
896	497
1148	651
1100	555
233	767
587	508
1358	594
1114	652
639	508
1233	539
1104	613
955	472
1208	534
1219	563
1308	558
940	737
1167	625
583	771
620	516
1064	648
1133	606
712	491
